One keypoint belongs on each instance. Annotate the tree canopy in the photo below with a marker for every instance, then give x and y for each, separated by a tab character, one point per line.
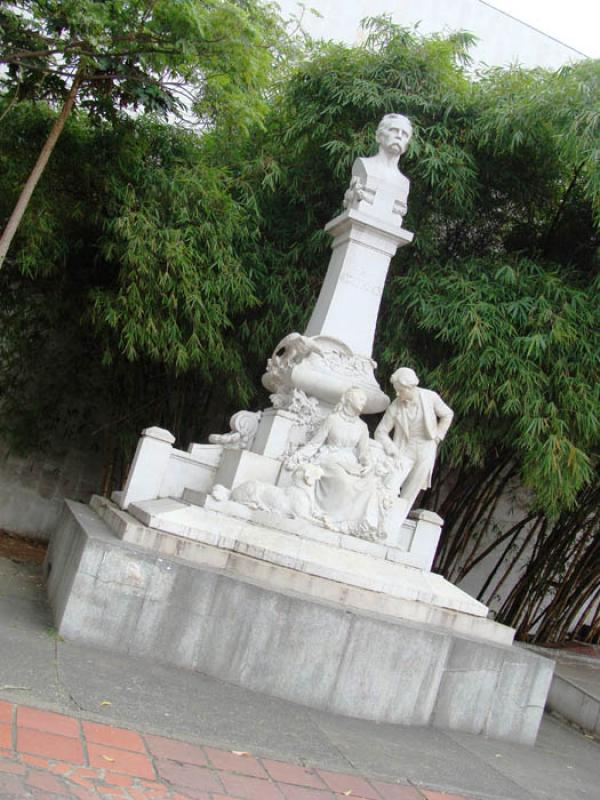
131	275
210	58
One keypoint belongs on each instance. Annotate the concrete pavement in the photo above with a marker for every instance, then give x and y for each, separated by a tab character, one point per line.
38	670
575	689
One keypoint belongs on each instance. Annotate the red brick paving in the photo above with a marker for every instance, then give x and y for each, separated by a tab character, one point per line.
47	782
250	788
393	791
59	748
47	721
185	753
48	756
6	711
358	787
116	737
5	736
101	756
303	793
292	773
235	762
189	775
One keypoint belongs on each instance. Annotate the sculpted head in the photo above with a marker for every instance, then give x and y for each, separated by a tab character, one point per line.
405	382
353	401
394	133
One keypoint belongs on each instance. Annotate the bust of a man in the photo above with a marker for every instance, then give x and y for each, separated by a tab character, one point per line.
378	188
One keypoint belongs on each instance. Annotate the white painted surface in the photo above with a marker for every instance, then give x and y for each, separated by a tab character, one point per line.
503	39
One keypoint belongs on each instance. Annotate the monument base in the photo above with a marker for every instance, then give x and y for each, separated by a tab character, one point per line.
306	638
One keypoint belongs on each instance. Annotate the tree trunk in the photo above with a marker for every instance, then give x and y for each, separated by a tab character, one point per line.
37	171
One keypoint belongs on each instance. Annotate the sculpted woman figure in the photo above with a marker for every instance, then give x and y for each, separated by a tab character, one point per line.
346	491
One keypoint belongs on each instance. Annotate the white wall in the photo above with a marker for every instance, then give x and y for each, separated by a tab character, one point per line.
503	39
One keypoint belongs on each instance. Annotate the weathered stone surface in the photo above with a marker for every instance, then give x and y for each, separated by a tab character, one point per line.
317	552
285	643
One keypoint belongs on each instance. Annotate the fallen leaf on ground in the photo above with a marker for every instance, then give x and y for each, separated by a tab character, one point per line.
106	703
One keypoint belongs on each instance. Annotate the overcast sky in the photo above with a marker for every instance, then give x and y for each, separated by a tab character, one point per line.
573	22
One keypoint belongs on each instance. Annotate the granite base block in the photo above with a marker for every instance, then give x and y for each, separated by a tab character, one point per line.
321	654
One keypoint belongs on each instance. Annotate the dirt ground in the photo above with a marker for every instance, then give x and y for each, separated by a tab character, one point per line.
20	549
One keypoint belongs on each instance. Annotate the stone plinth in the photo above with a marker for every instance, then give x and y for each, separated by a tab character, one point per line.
298	545
350	297
149	465
284	642
237	466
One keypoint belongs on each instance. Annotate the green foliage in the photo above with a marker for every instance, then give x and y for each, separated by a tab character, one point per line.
177	233
212	58
552	118
127	273
516	348
120	302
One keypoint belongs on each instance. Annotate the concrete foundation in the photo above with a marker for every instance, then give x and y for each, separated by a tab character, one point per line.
319	653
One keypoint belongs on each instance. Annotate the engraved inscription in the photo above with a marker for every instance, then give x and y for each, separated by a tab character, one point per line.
360	282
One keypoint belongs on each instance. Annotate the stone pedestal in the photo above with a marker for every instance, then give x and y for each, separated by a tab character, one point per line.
334	354
273	432
230	615
148	467
238	466
350	297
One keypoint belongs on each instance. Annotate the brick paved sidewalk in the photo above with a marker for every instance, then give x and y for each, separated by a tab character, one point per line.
48	756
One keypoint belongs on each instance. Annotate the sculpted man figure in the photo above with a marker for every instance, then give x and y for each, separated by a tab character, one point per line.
418	420
378	187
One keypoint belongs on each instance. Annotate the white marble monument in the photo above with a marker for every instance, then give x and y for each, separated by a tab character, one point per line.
336	350
284	555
